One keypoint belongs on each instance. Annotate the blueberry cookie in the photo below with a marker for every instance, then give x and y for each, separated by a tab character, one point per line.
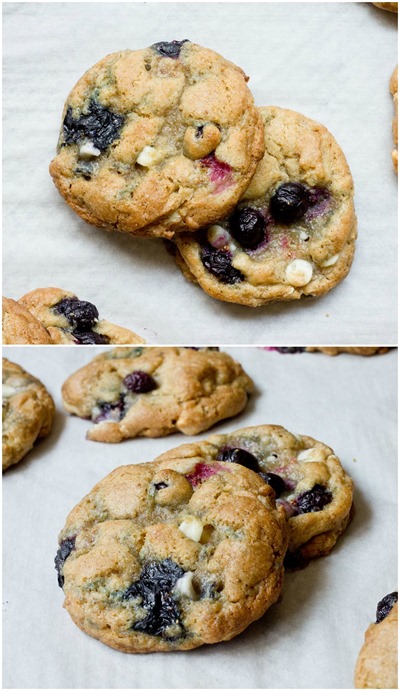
153	392
28	412
20	326
378	660
171	555
389	6
306	476
395	125
292	235
366	351
158	140
69	320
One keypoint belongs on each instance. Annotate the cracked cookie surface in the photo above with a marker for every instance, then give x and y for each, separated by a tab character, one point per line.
293	233
154	392
158	140
171	555
377	663
70	320
28	412
307	477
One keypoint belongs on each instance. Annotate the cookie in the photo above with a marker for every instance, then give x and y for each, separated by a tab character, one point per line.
307	477
172	555
377	662
158	140
332	350
69	320
20	326
153	392
395	124
390	6
28	412
292	234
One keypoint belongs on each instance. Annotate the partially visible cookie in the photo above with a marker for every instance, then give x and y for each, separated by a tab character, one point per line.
28	412
158	140
172	555
20	326
395	125
390	6
307	477
293	233
70	320
378	659
153	392
352	350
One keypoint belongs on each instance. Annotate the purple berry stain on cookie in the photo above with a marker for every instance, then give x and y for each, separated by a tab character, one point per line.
154	590
218	263
220	172
313	500
240	456
248	227
99	126
201	472
139	382
109	411
289	202
65	549
385	605
275	481
169	49
320	202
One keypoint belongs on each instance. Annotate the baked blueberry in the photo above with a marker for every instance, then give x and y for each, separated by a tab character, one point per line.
99	125
239	456
139	382
247	226
289	202
110	411
169	49
385	605
154	588
81	314
313	500
218	263
63	553
90	338
275	481
290	349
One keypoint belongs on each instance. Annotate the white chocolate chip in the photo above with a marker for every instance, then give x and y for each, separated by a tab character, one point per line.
310	455
8	391
184	586
331	261
149	156
192	527
217	236
299	272
88	150
303	235
272	457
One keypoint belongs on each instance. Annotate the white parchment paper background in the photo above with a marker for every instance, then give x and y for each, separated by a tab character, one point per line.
329	61
312	636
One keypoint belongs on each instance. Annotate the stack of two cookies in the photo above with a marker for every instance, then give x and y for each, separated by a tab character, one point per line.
189	548
167	142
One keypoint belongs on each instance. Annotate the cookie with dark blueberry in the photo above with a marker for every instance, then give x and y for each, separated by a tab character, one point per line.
377	664
306	476
171	555
70	320
153	392
158	141
28	412
293	232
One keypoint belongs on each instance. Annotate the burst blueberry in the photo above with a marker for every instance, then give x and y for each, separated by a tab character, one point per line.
139	382
169	49
247	226
154	589
239	456
80	314
218	263
275	481
289	202
65	549
313	500
99	126
290	349
90	338
385	605
114	411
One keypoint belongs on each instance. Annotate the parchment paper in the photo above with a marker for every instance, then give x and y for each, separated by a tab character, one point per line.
312	636
329	61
